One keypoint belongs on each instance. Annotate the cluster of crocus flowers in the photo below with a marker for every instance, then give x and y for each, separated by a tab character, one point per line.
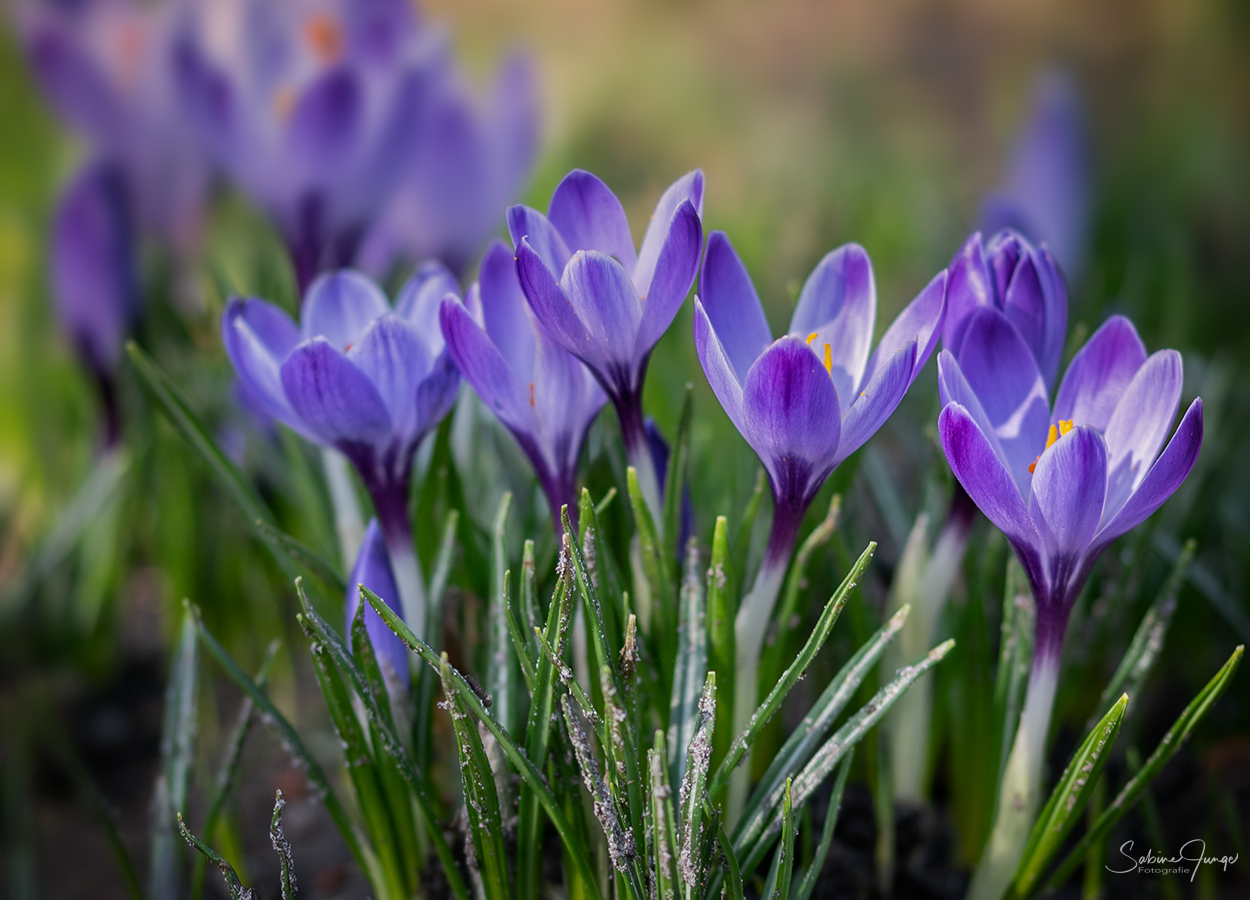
361	378
312	108
540	392
602	300
805	401
1061	481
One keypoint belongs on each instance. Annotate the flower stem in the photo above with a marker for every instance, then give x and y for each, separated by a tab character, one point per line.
638	452
1020	791
348	522
750	629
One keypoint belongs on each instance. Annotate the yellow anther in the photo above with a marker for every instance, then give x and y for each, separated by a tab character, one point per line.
811	337
1065	425
828	359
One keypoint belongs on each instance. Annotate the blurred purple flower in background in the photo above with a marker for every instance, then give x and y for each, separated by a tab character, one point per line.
1046	194
93	278
360	377
107	67
808	400
373	570
471	160
537	389
602	300
312	108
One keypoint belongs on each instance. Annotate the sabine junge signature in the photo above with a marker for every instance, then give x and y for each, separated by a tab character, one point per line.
1191	856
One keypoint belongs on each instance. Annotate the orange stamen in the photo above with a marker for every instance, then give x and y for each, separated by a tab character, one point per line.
811	337
828	359
1065	425
325	37
531	393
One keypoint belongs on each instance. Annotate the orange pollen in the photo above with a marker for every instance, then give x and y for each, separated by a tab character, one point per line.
531	393
1065	425
811	337
325	37
828	359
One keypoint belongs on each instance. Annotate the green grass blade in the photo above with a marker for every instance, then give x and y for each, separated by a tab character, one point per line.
803	890
690	671
281	846
746	528
663	838
473	702
485	845
722	605
178	730
655	565
290	738
806	738
227	771
1171	742
233	885
777	884
694	792
1068	800
1015	659
310	560
501	680
790	677
1147	641
733	874
675	478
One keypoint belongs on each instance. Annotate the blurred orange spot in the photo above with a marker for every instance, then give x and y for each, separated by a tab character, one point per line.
325	37
283	102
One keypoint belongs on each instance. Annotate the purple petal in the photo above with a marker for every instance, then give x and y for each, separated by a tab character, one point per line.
336	401
978	468
1165	476
71	78
485	369
1003	253
514	121
529	224
1055	326
325	122
970	287
551	306
1001	370
1141	423
566	399
373	570
339	306
420	298
839	305
258	337
590	217
717	367
604	301
792	416
1024	305
504	312
688	187
953	387
731	304
1066	499
920	321
1100	373
873	405
395	359
674	274
436	395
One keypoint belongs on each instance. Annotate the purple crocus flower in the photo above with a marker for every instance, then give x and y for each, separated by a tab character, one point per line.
373	570
1046	193
311	107
537	389
808	400
93	275
360	377
1061	483
471	161
601	300
106	67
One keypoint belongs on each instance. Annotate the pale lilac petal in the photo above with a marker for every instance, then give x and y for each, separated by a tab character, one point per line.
793	419
373	570
839	305
590	217
1141	423
504	312
258	337
979	469
1055	326
325	122
395	359
603	299
436	394
566	399
1024	305
514	121
1003	253
1100	373
731	304
1165	476
688	187
1001	371
675	271
529	224
953	387
336	401
718	369
1066	498
970	287
339	306
547	299
920	321
485	369
880	397
419	300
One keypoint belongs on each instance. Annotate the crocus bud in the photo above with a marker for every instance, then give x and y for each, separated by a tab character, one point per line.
373	570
